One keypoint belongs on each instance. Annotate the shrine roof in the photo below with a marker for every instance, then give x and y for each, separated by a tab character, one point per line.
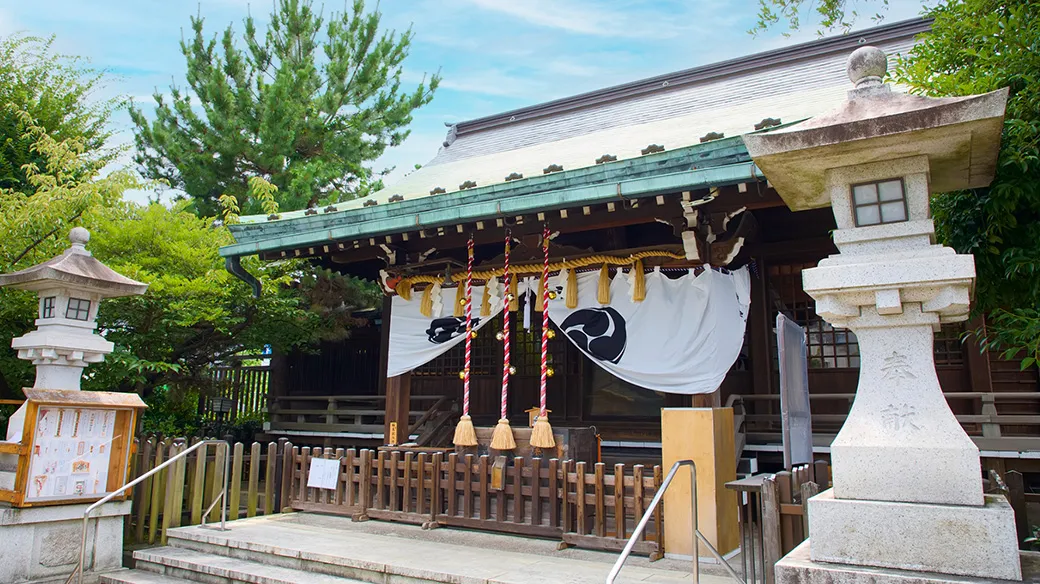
595	146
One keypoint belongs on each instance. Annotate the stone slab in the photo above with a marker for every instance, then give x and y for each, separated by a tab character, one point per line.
798	568
947	539
140	577
185	562
337	546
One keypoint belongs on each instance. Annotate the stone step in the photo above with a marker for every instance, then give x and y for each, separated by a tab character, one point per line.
195	566
140	577
380	552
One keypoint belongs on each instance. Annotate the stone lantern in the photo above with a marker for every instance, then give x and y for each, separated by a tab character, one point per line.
907	484
70	288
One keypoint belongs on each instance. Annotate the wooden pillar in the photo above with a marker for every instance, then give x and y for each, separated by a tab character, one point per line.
398	389
705	436
761	327
708	400
398	404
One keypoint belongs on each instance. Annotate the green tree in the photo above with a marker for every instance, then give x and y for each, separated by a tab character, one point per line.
976	46
55	91
194	313
307	106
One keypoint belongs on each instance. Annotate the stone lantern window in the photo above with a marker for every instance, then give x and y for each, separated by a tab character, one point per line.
879	202
78	309
47	307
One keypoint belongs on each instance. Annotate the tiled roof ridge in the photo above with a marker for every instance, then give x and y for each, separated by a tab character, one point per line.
698	74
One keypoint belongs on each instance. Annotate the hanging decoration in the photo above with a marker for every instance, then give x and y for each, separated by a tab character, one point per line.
408	282
465	434
683	338
542	434
502	438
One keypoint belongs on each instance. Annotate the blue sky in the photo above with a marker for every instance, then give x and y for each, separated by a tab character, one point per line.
494	55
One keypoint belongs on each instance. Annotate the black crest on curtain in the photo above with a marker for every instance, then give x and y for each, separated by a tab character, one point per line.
600	332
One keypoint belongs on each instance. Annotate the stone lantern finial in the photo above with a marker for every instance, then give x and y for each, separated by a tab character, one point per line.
79	236
867	66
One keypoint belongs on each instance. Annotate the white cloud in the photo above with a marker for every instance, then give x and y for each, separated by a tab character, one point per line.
592	19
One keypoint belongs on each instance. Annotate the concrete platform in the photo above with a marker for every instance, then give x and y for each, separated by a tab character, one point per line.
308	548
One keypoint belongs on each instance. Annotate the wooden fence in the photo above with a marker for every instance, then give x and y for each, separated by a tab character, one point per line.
545	498
180	494
774	515
239	391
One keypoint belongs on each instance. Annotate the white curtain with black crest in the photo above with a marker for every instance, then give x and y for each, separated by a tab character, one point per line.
416	339
682	338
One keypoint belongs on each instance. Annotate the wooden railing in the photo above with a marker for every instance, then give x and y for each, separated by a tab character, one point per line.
544	498
991	428
175	497
350	416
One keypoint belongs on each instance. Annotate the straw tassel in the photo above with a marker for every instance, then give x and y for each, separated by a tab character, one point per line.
542	433
638	282
426	304
539	302
460	300
465	434
572	289
514	298
502	438
603	293
404	290
485	299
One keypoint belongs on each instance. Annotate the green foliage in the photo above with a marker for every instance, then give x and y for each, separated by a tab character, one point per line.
38	86
194	313
306	106
977	46
832	14
171	413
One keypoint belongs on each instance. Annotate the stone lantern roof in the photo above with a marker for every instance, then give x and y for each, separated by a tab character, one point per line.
959	135
76	268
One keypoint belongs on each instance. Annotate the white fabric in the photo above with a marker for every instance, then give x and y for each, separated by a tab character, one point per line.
682	338
416	339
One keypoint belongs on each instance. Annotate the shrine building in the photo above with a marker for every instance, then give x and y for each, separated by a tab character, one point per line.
670	256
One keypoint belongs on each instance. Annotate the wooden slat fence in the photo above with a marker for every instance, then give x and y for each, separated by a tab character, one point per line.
774	515
244	385
180	494
536	497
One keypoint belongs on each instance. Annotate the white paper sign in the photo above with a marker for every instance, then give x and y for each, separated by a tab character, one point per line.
323	473
71	453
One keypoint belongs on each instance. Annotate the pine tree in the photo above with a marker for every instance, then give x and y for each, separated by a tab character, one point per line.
307	107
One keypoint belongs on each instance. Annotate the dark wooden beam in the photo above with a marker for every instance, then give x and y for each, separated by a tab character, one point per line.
759	333
398	401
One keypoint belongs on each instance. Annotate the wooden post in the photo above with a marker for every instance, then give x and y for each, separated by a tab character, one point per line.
235	483
144	490
219	466
269	478
809	490
760	332
285	484
977	360
1017	498
254	479
771	550
398	403
157	492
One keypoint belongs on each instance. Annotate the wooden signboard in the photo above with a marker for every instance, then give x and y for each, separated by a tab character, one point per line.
75	446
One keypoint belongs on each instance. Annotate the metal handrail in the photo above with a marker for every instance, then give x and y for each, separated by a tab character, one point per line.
86	514
695	532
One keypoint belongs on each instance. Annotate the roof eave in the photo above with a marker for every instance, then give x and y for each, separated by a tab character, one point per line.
455	210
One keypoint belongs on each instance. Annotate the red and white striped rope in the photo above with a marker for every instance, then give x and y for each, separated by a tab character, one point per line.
469	326
545	320
505	332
